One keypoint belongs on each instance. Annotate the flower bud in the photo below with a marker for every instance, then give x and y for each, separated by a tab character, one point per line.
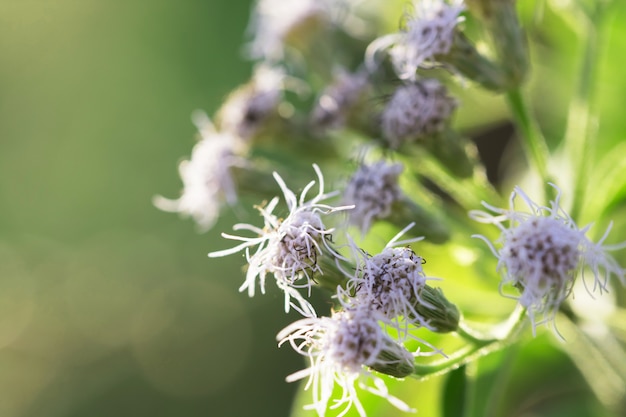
394	360
441	315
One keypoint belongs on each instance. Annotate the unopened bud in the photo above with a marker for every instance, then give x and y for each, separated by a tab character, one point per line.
394	360
441	315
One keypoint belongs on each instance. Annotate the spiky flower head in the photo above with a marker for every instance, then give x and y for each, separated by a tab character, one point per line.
428	32
206	176
391	282
342	349
542	252
416	111
394	284
288	248
372	189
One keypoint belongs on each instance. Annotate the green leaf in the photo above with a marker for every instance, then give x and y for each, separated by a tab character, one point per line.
455	391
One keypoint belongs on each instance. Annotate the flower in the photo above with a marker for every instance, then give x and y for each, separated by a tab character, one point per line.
542	253
429	32
416	111
373	189
394	284
288	248
341	348
207	181
391	282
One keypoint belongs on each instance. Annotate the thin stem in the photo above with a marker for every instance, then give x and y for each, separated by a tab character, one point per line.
499	337
472	335
459	358
580	132
532	139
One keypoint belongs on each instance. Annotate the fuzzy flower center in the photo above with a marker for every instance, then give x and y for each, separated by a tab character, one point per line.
297	249
542	253
373	189
416	111
354	341
392	279
428	33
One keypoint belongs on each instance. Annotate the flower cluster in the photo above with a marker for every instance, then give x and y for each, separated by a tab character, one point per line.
340	347
361	92
344	348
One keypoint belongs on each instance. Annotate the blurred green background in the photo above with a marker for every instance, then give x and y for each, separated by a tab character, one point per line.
109	307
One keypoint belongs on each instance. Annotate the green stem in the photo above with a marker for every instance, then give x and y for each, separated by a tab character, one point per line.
472	335
500	336
459	358
579	132
533	142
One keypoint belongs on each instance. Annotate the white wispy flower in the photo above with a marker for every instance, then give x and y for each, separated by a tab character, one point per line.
341	348
429	32
288	248
542	252
207	181
389	282
416	111
372	189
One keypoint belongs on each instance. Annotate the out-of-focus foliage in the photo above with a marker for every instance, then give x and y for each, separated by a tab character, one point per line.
109	307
